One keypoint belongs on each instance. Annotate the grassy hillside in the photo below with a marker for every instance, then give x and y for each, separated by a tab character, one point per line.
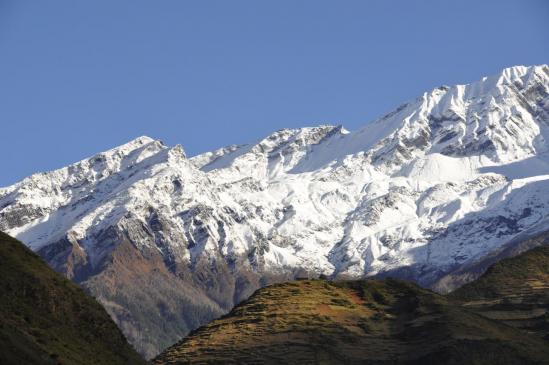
46	319
366	322
514	291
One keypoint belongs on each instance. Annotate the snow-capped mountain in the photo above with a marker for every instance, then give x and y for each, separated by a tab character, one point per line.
167	242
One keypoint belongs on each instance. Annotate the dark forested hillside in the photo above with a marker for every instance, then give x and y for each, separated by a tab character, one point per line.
46	319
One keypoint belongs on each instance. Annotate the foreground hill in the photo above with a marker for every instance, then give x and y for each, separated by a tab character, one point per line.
46	319
514	291
166	243
366	322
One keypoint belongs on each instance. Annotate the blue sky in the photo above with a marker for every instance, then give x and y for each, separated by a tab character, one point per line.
79	77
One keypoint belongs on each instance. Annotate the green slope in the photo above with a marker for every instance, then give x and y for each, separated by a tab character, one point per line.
46	319
358	322
514	291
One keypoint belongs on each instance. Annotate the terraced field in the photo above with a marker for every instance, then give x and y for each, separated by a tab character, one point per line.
514	291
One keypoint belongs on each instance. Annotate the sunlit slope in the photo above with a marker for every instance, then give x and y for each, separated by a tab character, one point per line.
366	322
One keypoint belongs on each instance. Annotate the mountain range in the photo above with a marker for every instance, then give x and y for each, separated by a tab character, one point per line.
167	243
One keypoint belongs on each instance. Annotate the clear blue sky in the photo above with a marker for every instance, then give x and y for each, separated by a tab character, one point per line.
79	77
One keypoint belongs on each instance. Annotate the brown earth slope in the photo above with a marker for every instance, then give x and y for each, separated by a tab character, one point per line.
153	299
359	322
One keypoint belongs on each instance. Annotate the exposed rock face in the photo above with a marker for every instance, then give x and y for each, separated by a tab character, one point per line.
166	242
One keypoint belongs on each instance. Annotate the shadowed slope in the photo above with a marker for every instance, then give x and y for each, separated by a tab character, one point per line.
473	270
46	319
366	322
514	291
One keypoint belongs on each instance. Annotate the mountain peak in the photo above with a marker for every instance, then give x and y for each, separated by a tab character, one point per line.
134	144
142	140
519	76
518	72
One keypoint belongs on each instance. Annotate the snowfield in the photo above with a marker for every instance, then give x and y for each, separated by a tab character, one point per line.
441	180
